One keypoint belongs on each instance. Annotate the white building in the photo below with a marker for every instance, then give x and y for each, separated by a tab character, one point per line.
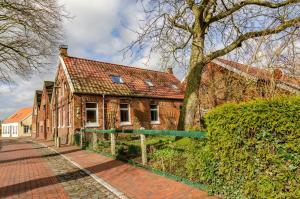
18	124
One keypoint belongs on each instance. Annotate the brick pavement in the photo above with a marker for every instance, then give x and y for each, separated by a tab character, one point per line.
29	170
136	183
25	174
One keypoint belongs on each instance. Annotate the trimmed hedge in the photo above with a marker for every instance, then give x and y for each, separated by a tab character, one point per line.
255	149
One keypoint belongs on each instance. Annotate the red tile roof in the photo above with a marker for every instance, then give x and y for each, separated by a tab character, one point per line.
19	115
292	81
94	77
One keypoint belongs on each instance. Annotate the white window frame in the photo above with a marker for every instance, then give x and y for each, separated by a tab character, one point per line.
158	118
96	124
129	115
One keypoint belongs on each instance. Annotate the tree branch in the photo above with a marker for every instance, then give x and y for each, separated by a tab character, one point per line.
262	3
237	43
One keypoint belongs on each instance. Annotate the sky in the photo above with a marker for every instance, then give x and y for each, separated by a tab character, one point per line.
96	30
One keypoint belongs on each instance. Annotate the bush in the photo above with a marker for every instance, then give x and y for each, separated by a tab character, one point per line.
255	147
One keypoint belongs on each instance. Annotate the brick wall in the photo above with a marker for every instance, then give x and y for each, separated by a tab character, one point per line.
220	85
44	117
35	111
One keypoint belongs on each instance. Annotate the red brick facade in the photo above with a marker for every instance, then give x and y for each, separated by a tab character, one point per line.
35	113
42	114
220	85
86	95
72	110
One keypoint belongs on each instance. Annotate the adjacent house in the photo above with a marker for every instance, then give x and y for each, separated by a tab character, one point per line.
45	113
94	94
18	124
227	81
35	115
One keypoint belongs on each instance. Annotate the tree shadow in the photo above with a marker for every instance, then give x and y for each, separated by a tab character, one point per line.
22	187
37	157
23	149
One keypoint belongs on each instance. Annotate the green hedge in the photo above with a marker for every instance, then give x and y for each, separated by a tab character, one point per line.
255	149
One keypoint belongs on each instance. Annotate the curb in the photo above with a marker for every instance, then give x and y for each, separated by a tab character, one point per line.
112	189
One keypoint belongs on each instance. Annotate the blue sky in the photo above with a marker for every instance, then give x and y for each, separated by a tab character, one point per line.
96	31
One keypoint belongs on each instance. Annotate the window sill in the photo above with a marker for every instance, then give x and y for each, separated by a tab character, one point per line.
155	122
125	124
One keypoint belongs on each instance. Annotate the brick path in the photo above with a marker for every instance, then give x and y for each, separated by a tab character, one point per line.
30	170
135	183
25	174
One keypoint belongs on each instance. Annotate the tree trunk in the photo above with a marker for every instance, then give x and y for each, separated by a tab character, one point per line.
191	97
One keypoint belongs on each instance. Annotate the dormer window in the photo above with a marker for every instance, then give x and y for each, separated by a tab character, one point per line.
174	87
117	79
149	82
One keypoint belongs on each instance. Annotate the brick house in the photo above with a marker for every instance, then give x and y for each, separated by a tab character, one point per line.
94	94
45	113
35	113
227	81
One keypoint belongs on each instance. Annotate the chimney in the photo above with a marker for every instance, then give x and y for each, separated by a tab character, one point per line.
63	50
169	70
277	73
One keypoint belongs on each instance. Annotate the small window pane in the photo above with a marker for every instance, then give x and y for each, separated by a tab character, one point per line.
91	116
117	79
154	112
154	116
91	105
149	82
124	116
174	87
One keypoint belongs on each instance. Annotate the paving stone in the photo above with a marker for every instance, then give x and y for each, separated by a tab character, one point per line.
75	182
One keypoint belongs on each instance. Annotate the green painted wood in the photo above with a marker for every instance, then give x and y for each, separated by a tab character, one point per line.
190	134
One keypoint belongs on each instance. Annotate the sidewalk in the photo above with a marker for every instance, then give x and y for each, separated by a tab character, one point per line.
24	173
135	183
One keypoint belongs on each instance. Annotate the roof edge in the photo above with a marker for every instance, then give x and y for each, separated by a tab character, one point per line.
67	74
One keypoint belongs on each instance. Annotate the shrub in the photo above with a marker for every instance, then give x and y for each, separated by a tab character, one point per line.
255	147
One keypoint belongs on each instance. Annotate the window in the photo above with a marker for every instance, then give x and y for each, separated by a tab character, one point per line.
26	129
149	82
174	87
124	114
154	114
117	79
91	114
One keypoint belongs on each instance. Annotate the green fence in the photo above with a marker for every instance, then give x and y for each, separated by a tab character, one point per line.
131	144
189	134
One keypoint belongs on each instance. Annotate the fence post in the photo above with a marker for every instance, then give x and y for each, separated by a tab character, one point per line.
95	139
144	149
81	139
113	143
58	142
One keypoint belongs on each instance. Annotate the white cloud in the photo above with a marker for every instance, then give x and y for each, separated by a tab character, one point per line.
96	30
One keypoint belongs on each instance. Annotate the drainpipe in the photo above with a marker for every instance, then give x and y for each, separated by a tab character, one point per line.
103	112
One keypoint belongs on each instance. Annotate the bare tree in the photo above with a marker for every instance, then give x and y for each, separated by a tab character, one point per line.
29	35
203	30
